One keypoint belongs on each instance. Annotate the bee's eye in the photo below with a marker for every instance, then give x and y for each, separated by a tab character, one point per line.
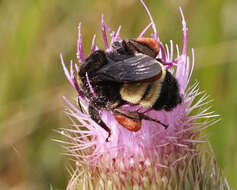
116	45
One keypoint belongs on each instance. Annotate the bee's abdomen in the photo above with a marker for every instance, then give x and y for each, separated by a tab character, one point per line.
169	95
151	95
133	92
142	93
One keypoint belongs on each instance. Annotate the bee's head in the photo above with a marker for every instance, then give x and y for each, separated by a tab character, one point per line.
94	62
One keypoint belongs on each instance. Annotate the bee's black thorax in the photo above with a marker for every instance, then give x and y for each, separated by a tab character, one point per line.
107	92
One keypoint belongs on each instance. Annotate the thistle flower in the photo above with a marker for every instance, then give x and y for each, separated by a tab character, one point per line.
151	158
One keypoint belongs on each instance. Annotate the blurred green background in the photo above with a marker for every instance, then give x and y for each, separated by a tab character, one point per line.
32	83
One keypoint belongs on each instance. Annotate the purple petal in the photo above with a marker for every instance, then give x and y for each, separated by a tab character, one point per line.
89	84
77	68
185	32
66	70
93	44
72	106
144	31
71	69
117	34
104	32
193	63
152	21
162	49
171	50
80	51
111	32
70	76
75	85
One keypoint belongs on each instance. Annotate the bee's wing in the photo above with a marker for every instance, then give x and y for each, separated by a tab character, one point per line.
132	69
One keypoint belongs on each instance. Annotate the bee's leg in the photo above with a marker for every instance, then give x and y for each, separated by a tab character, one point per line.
145	117
138	116
131	115
94	113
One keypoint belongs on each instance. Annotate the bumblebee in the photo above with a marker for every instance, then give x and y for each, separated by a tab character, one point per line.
129	74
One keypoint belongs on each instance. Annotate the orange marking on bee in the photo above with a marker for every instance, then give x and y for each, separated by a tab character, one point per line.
130	124
150	42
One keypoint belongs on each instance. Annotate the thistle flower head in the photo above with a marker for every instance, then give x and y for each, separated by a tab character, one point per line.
148	158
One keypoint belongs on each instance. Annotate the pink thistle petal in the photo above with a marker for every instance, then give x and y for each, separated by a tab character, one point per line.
162	49
77	68
152	21
177	49
80	51
93	44
182	71
117	34
193	63
89	84
73	107
185	31
111	32
71	69
70	76
171	50
104	32
167	51
145	30
65	69
115	37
